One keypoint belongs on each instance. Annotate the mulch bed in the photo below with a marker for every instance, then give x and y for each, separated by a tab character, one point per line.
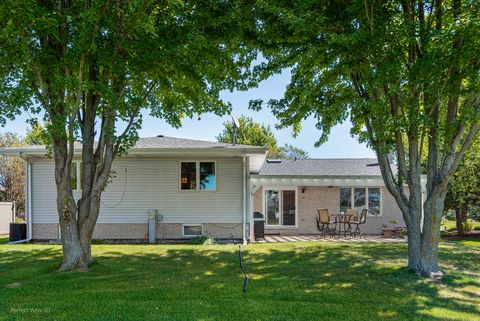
468	235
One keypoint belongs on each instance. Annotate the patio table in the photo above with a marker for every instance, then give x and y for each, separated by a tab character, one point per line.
340	221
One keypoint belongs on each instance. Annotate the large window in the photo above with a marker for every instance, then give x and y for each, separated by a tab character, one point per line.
374	202
345	199
76	171
369	198
280	207
198	176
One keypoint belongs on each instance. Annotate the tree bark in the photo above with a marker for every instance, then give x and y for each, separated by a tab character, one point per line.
433	211
73	255
88	226
414	245
459	221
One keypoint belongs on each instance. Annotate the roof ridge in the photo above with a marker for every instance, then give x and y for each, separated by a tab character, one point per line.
329	158
165	136
198	140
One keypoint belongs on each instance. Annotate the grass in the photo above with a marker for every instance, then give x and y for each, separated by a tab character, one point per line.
288	281
452	225
3	239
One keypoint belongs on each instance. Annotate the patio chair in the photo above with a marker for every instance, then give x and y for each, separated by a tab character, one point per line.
324	223
350	218
361	220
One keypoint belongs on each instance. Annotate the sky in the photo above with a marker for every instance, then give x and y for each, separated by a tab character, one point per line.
339	145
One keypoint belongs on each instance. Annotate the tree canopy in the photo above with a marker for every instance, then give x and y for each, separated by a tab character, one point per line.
256	134
12	169
12	173
463	194
464	188
405	73
89	68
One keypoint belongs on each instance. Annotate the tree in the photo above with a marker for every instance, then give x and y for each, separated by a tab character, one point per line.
406	73
291	152
464	188
12	173
37	135
91	67
12	169
256	134
249	133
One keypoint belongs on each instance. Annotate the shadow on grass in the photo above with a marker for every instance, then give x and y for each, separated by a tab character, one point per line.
3	239
294	281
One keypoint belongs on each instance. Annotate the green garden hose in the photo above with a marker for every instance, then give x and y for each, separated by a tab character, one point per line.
244	270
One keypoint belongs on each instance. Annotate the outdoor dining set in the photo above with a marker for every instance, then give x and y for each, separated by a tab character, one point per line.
341	224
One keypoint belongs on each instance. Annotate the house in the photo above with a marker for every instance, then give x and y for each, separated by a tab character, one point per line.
296	189
195	187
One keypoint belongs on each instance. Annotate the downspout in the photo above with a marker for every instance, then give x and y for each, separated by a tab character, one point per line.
29	198
244	216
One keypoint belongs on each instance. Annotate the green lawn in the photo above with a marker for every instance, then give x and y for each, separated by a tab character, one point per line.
293	281
452	225
3	239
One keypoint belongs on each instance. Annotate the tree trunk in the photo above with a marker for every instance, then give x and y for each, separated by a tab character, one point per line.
73	255
460	219
86	235
414	243
433	211
87	227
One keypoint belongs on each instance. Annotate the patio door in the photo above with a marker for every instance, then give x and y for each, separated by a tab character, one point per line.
280	207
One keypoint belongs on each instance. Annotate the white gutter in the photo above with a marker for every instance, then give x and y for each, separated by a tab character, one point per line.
221	150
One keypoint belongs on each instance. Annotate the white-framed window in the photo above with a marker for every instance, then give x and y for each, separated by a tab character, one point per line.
76	171
198	176
280	207
192	230
360	198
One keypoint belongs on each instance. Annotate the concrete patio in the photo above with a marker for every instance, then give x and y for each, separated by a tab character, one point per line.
319	238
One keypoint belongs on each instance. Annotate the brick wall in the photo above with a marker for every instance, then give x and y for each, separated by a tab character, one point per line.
140	231
45	231
317	197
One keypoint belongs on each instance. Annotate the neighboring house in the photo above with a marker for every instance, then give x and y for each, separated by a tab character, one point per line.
207	188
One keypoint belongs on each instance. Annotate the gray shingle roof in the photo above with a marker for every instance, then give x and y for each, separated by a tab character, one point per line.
174	142
158	142
322	167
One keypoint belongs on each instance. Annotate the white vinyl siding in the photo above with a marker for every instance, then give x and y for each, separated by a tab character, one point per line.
150	184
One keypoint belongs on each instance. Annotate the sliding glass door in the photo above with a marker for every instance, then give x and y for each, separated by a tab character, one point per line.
280	207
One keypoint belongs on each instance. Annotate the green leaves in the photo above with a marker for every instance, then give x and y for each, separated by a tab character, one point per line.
255	134
172	58
464	188
351	59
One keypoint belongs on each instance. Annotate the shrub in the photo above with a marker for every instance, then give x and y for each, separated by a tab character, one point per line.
468	225
200	240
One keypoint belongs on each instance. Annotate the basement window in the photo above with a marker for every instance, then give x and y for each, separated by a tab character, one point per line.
192	230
